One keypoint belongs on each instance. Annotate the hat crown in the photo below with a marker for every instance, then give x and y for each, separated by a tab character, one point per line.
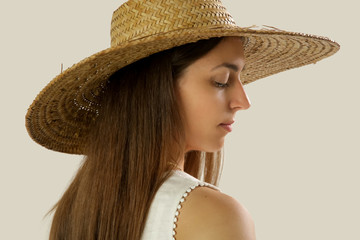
137	19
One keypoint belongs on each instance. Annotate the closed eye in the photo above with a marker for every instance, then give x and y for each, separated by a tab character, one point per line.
221	85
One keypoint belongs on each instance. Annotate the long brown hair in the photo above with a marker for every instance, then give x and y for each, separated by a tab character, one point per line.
138	133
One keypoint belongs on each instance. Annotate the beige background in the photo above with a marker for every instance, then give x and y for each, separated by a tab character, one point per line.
292	159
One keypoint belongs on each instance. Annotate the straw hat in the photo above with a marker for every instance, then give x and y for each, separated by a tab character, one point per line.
59	116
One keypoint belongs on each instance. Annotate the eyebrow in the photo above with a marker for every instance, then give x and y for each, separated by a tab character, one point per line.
228	65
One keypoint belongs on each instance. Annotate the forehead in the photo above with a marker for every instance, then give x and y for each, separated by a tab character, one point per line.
229	50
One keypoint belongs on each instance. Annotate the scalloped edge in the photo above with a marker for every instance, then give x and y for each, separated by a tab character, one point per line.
179	206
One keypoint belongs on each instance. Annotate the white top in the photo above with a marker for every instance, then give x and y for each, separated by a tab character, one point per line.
161	221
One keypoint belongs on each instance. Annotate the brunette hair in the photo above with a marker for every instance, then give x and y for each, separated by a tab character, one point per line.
138	133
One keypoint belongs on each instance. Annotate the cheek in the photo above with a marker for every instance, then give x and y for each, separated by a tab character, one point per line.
204	108
198	107
203	114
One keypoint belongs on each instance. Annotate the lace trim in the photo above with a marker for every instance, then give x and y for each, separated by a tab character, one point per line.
199	184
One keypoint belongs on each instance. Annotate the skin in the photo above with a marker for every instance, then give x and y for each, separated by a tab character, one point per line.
206	101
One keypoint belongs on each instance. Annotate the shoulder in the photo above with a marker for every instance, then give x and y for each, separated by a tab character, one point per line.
210	214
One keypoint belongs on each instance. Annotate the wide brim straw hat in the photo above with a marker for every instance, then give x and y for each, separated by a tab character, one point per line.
59	117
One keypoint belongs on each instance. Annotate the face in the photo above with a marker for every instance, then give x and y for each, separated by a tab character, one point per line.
211	93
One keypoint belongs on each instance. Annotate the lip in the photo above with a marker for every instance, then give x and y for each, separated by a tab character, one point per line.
227	126
227	123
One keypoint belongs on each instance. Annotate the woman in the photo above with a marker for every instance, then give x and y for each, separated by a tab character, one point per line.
150	114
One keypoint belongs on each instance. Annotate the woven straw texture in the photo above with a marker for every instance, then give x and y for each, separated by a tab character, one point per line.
58	118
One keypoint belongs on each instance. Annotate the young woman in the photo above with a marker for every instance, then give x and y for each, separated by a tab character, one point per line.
150	114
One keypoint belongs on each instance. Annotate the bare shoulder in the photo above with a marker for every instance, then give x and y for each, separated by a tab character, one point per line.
210	214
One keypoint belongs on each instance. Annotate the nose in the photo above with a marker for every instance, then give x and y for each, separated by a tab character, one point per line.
239	99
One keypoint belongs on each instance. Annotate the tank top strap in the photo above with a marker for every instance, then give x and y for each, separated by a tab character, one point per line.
164	210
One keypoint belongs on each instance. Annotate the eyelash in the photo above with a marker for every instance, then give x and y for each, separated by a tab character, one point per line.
221	85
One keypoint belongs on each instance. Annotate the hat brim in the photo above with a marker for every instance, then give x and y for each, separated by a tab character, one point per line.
59	117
